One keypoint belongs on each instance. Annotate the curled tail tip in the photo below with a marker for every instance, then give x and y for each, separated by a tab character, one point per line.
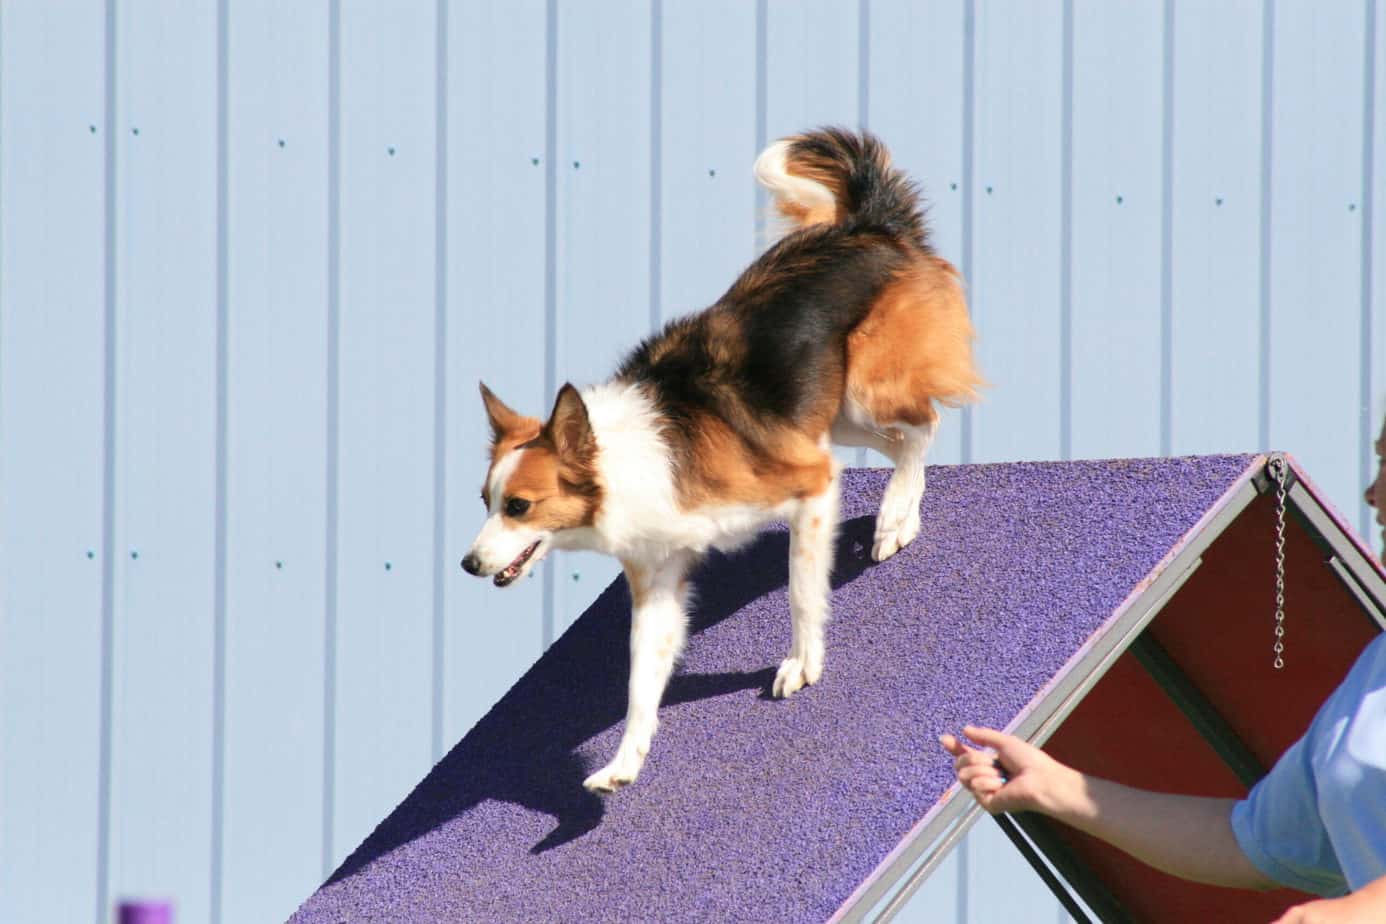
832	175
800	200
771	162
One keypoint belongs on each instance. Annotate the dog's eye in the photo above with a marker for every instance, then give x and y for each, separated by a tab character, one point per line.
516	507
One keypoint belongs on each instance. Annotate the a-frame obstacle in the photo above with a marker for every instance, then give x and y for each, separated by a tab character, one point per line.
1121	611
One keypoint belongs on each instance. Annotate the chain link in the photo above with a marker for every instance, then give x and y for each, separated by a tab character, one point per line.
1277	470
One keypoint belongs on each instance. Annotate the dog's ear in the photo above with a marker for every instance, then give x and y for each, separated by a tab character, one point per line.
568	428
503	419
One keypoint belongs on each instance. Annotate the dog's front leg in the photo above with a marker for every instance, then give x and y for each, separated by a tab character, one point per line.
657	633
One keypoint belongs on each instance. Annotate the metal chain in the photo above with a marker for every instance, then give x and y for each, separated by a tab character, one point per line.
1277	470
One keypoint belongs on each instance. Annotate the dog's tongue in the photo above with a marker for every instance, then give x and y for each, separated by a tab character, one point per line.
510	572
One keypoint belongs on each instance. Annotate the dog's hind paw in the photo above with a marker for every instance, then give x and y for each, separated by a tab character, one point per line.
794	674
891	538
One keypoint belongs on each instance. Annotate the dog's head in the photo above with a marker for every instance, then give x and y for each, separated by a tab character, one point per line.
542	481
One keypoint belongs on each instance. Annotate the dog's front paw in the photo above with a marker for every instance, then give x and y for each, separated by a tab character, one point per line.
893	534
795	674
619	773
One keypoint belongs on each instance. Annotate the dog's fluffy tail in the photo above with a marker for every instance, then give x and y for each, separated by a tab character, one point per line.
836	177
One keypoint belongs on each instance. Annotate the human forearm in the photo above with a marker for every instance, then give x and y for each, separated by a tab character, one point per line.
1187	836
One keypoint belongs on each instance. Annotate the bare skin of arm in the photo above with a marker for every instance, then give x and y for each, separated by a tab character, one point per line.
1186	836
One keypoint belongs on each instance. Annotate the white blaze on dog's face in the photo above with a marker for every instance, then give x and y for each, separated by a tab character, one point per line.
541	481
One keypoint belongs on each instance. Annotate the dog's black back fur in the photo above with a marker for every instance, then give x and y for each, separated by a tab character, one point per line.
758	358
762	349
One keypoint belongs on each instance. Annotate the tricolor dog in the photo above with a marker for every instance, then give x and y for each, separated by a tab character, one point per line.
848	330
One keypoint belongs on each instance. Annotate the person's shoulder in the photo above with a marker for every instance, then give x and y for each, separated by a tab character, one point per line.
1373	657
1368	673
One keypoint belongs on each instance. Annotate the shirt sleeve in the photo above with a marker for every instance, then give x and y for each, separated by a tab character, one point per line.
1279	828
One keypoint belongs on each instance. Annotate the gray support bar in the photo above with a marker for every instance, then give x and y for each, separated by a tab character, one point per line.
1215	729
1071	881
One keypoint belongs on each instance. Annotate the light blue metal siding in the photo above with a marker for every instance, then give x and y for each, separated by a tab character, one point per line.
812	77
1017	244
603	220
917	102
1374	270
384	621
707	137
495	270
1315	241
516	193
943	896
1216	227
812	66
52	387
1116	258
276	255
999	884
165	455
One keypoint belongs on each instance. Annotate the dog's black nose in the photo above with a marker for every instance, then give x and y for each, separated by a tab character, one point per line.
471	564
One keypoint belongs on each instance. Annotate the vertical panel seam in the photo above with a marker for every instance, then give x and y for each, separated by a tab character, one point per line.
969	103
1366	453
440	356
2	230
334	52
1066	237
762	113
1264	280
863	63
103	834
656	156
219	537
550	264
863	101
1167	237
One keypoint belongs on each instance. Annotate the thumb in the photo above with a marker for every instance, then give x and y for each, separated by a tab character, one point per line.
1014	752
989	737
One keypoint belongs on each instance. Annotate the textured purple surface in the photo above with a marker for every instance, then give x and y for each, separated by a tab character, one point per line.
763	810
144	912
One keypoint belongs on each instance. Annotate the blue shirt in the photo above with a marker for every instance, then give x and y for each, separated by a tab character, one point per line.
1317	821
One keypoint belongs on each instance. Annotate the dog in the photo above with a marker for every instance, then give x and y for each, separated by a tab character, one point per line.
849	330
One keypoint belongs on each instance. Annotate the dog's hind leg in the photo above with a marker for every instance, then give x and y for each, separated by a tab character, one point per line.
812	528
897	523
657	633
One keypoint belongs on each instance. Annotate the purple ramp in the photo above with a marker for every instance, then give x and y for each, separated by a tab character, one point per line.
762	810
144	912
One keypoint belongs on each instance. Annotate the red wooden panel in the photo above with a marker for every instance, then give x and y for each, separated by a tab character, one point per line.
1219	630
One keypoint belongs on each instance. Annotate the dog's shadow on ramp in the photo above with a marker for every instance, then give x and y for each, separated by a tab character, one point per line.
525	751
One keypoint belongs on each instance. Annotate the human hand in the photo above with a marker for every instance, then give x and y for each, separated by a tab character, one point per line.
1364	907
1012	777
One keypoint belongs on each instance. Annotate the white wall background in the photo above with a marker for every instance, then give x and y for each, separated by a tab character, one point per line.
254	257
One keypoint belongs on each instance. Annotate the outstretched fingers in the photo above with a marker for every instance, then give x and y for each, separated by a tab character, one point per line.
1008	774
977	771
953	745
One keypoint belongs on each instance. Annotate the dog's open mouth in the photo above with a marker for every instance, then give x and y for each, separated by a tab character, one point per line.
512	570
